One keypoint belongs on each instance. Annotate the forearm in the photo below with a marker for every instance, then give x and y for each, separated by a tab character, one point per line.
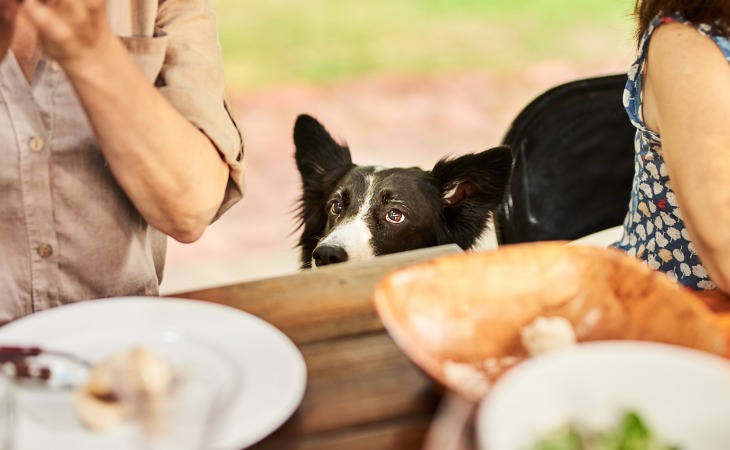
169	169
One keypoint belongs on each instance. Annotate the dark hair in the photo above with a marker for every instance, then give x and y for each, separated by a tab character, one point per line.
696	11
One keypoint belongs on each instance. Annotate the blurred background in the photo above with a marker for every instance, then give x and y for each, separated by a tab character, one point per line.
402	82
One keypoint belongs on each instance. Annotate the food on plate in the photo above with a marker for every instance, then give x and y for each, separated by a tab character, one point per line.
488	311
133	384
632	433
547	333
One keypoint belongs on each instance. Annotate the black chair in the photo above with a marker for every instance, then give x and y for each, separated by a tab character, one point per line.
574	163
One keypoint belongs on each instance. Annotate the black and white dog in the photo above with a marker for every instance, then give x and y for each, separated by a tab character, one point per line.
351	212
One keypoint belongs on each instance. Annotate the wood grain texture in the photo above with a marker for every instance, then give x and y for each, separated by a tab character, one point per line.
362	391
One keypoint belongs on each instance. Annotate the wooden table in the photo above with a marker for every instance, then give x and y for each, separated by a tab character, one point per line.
362	392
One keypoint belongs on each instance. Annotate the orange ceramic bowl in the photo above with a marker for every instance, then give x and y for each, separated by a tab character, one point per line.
462	318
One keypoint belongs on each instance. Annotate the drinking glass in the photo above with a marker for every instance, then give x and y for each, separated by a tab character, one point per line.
7	413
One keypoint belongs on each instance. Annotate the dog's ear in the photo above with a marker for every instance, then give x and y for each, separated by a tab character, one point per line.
322	162
316	153
472	186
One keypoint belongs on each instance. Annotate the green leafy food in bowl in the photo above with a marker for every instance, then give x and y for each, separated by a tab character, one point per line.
631	434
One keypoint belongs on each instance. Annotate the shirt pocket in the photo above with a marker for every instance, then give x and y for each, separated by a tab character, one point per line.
148	52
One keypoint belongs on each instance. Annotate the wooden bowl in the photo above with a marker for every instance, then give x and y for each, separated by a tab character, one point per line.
461	317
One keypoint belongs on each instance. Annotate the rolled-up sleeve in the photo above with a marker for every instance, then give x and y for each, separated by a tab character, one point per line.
192	80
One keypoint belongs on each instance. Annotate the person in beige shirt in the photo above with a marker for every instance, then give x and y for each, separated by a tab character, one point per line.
114	134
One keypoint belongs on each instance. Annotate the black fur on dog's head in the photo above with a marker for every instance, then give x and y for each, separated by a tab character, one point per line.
356	212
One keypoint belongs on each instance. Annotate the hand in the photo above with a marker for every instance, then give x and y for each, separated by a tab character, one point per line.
72	31
8	12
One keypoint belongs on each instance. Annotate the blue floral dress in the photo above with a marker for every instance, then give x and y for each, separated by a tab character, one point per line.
653	228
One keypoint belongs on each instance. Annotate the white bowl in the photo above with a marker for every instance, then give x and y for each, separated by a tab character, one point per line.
683	395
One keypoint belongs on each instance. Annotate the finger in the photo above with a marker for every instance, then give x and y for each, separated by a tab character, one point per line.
48	22
97	10
9	10
91	14
75	12
88	14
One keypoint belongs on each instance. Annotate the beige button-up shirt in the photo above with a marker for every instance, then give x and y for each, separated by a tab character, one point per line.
67	230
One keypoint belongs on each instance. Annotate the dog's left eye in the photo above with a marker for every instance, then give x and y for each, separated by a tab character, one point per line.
395	216
336	207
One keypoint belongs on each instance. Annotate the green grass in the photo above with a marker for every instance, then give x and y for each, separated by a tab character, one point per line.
313	41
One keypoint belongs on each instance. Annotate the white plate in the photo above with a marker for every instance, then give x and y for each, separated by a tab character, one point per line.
259	373
602	238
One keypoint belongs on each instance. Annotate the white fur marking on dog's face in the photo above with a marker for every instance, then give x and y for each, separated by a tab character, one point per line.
354	235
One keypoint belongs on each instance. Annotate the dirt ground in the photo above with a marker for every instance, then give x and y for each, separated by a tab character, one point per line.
385	119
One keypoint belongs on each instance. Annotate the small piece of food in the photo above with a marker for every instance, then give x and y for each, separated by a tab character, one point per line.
99	412
468	377
131	385
547	333
631	434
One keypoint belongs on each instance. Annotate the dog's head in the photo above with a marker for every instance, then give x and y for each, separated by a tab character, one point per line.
351	212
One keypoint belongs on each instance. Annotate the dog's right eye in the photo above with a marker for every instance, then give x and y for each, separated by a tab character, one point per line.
395	216
336	207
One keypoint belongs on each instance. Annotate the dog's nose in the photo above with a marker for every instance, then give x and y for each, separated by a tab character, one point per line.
328	254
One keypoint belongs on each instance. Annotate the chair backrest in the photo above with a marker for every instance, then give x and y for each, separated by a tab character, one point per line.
574	163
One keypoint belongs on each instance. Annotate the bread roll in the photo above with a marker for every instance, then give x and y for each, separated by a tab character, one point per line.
133	384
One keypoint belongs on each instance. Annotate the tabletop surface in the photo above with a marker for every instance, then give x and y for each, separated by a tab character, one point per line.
362	391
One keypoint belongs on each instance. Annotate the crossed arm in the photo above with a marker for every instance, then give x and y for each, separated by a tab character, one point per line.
168	168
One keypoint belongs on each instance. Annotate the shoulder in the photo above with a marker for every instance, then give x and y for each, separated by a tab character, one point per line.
677	39
683	45
686	74
680	54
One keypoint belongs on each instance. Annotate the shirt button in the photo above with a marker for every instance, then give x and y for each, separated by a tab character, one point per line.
36	144
45	250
